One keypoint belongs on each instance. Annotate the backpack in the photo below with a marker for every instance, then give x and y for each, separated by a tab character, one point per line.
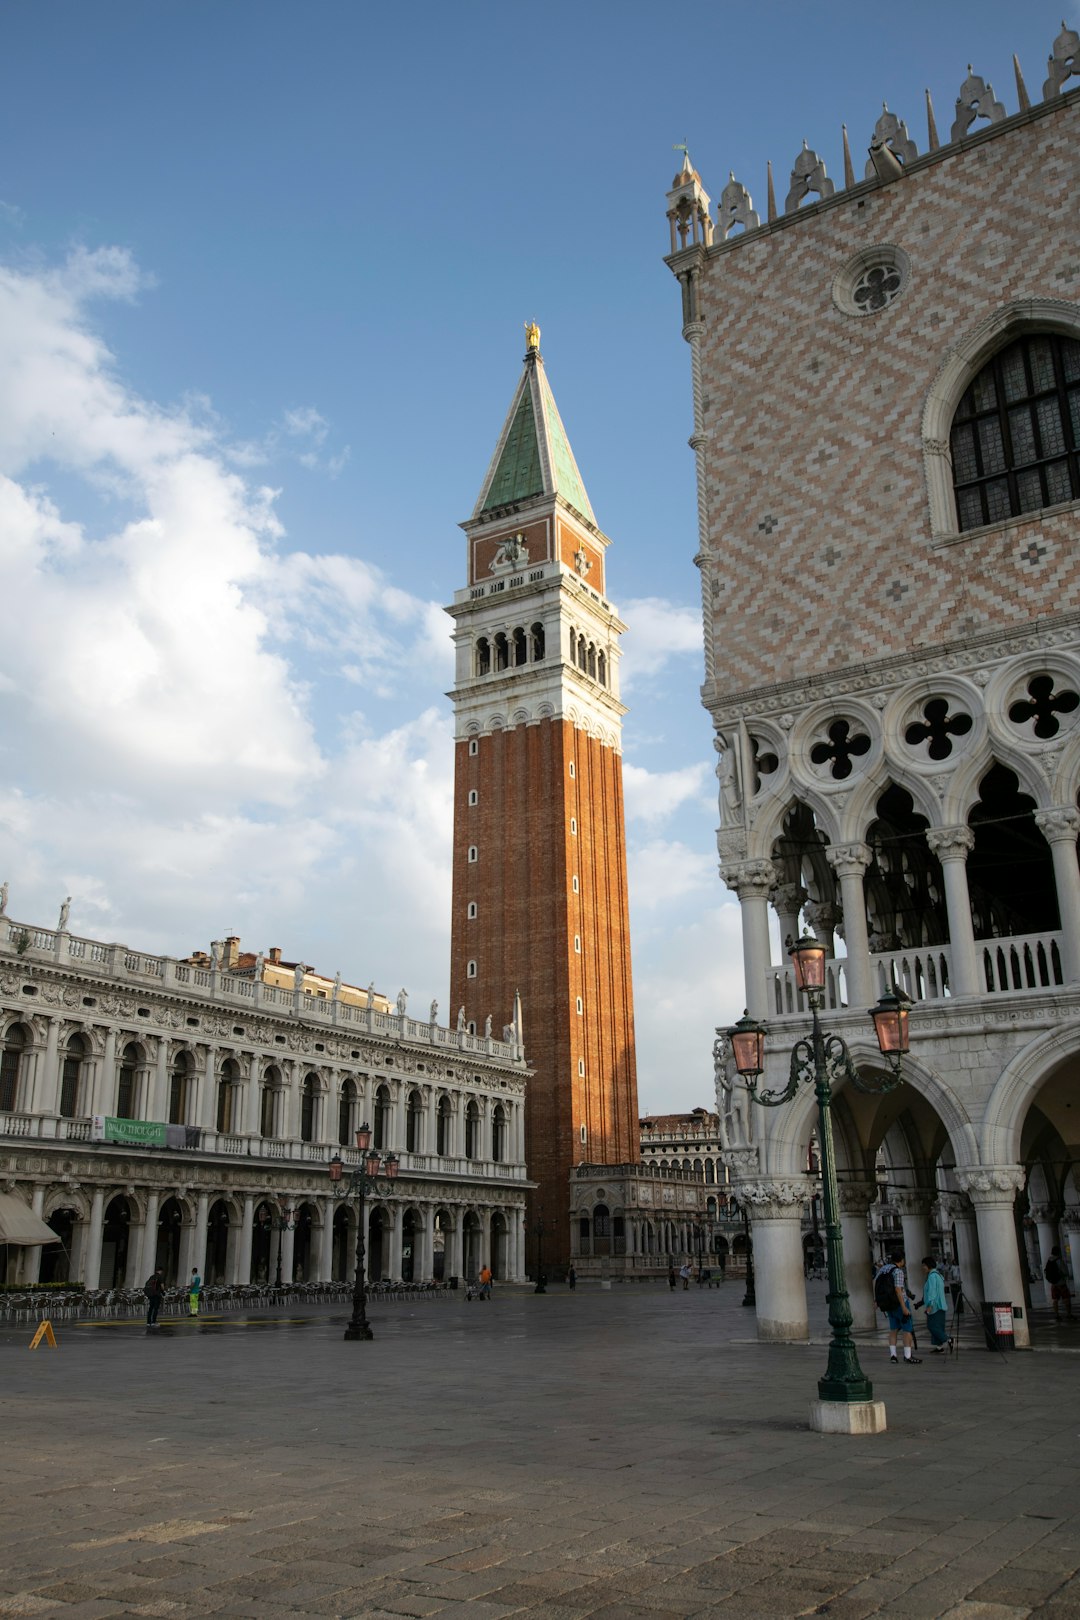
885	1289
1052	1269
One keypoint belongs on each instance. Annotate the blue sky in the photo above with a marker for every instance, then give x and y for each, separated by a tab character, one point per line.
263	275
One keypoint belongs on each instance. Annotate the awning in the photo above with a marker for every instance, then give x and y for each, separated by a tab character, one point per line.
19	1224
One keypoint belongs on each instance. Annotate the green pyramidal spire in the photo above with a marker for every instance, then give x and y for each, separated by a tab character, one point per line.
533	456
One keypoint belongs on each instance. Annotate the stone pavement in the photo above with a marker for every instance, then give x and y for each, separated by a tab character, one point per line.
612	1454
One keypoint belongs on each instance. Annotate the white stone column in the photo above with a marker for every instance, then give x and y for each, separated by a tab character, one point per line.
45	1098
951	845
397	1122
992	1190
326	1241
913	1207
849	862
788	900
32	1270
396	1213
103	1098
147	1258
91	1256
243	1268
776	1208
159	1100
1045	1217
422	1245
1060	826
855	1200
232	1254
452	1262
967	1252
287	1239
751	881
206	1115
202	1213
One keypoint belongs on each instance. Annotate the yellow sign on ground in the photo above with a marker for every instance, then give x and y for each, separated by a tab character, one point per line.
44	1332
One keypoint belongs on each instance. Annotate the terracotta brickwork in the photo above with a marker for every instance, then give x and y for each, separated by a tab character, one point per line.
819	533
549	810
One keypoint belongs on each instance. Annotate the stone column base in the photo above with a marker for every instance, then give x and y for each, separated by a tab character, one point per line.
848	1417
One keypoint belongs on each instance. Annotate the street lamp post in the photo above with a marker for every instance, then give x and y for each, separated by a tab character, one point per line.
750	1296
825	1060
361	1181
285	1221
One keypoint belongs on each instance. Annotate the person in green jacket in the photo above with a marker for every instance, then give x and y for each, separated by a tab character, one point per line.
933	1302
194	1290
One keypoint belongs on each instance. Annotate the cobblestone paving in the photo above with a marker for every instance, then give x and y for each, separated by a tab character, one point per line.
612	1454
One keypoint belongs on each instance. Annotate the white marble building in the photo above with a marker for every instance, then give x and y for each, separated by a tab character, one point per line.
157	1111
886	398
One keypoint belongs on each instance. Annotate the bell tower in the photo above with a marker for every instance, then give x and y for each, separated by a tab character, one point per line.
539	894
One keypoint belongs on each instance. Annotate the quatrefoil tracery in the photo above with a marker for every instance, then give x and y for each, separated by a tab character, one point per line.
841	749
1043	705
937	728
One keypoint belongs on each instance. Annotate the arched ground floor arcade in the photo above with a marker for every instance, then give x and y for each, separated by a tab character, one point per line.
972	1158
117	1220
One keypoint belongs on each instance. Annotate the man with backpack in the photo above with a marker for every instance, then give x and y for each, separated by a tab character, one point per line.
1058	1278
154	1289
892	1297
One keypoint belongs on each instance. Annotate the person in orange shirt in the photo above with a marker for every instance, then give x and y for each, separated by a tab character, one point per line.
485	1282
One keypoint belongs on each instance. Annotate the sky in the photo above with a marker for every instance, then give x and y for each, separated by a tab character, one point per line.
264	270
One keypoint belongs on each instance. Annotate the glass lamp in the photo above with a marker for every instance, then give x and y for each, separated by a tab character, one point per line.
747	1039
808	960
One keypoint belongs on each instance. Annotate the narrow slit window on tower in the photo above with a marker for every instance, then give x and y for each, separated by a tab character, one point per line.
474	747
471	910
573	826
470	971
581	1067
577	944
573	769
473	854
574	883
474	797
580	1007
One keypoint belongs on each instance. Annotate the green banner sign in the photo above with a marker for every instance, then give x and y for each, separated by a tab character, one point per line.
135	1132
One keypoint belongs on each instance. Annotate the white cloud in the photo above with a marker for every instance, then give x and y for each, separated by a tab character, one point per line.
659	631
653	796
164	757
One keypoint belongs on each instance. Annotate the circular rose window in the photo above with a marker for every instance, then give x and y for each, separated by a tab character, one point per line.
872	280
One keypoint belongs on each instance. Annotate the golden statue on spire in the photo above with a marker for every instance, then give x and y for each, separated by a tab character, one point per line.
532	337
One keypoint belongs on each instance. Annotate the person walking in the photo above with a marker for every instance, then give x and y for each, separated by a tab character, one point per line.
672	1280
154	1289
684	1273
1058	1278
891	1296
485	1282
933	1303
194	1290
571	1278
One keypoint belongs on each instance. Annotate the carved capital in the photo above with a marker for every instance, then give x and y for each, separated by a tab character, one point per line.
823	916
789	897
775	1199
950	843
848	860
1044	1212
992	1183
743	1163
857	1196
1060	824
954	1206
749	879
910	1200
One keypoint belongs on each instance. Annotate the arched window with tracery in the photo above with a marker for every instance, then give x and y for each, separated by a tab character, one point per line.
443	1118
472	1131
498	1134
483	656
268	1101
346	1113
181	1083
1015	436
521	648
536	637
71	1076
228	1090
11	1057
126	1081
381	1137
601	668
502	652
309	1108
414	1123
